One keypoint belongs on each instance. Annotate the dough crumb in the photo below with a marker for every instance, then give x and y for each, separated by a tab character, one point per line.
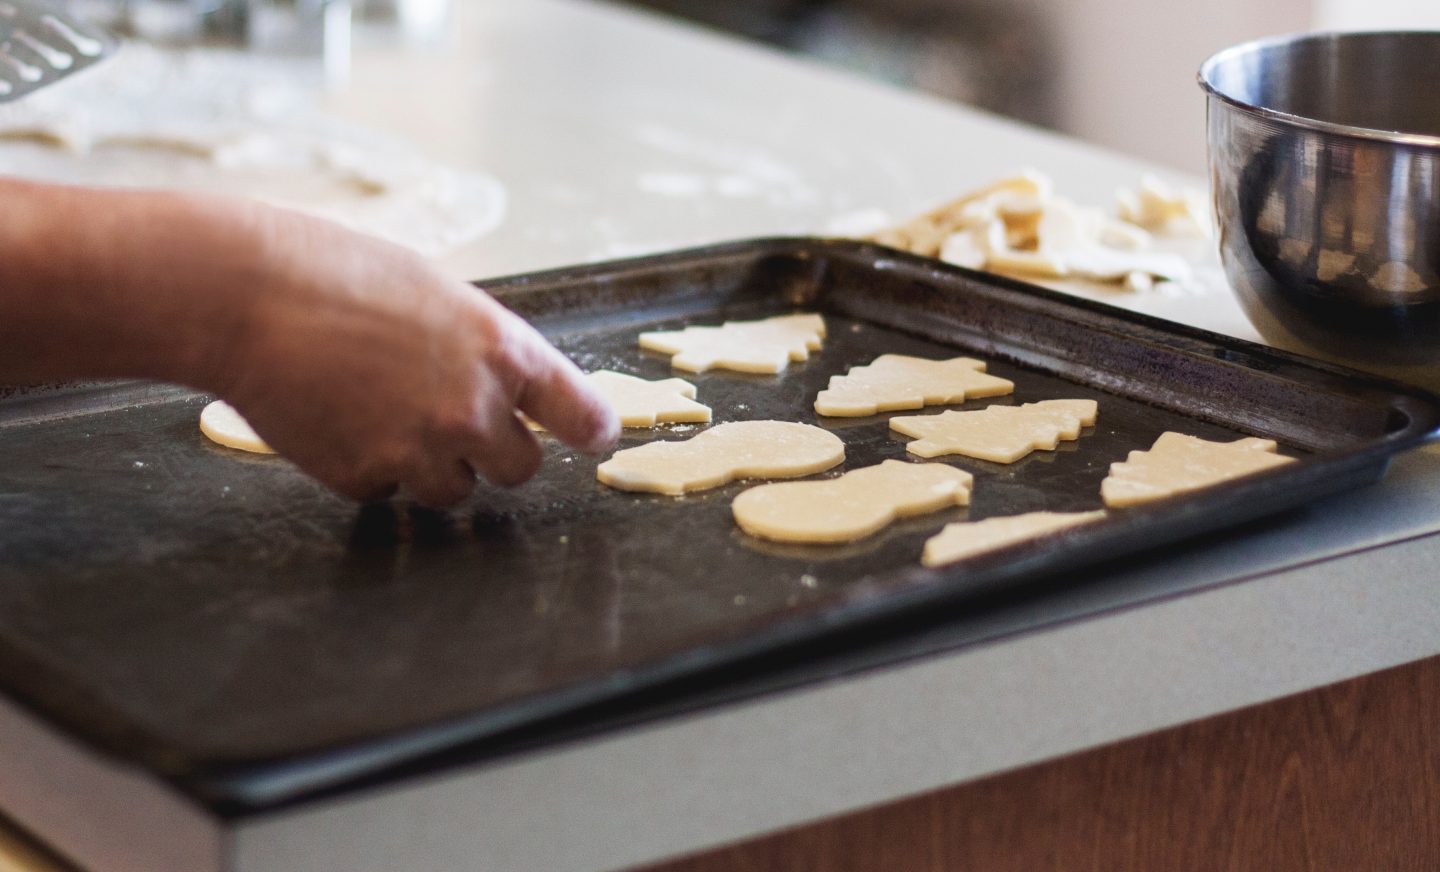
223	425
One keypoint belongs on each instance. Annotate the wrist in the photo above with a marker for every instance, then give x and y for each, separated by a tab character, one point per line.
207	289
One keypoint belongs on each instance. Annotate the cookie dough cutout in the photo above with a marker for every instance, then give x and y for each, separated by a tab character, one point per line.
722	454
1178	463
853	506
964	540
896	381
765	346
642	403
999	434
223	425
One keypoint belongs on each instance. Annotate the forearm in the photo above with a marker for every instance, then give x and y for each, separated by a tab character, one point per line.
118	284
352	357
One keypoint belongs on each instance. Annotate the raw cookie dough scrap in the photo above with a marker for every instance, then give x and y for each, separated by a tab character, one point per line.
1161	209
926	233
897	381
223	425
853	506
1017	226
1178	463
722	454
999	434
966	539
642	403
765	346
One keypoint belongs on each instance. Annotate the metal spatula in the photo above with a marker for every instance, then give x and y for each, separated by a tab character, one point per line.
40	44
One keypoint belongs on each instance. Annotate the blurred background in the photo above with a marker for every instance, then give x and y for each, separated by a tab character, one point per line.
1120	73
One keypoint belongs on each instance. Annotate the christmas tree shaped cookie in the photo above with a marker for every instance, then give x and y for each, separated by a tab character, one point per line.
897	381
1177	463
642	403
765	346
1000	434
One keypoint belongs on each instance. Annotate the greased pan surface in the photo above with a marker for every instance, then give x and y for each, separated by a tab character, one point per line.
221	620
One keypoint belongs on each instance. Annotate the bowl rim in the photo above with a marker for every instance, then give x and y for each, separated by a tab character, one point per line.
1204	77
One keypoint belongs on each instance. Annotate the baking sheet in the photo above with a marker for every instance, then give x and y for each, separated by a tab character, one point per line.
221	620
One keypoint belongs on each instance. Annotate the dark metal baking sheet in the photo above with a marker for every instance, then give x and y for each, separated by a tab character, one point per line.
227	623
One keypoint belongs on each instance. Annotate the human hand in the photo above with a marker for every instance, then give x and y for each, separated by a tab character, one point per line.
369	370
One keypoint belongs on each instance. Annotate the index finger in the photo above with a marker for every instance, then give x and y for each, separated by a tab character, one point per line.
557	396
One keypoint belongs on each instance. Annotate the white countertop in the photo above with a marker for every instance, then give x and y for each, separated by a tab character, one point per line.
617	134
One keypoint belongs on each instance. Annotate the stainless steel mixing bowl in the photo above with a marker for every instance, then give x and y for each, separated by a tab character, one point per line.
1325	169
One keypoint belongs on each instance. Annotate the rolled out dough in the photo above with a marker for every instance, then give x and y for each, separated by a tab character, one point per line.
1178	463
242	124
853	506
740	449
962	540
897	381
1000	434
765	346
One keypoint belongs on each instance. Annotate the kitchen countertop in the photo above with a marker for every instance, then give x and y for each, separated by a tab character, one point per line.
616	133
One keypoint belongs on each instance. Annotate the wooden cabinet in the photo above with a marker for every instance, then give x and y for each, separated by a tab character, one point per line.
1341	779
